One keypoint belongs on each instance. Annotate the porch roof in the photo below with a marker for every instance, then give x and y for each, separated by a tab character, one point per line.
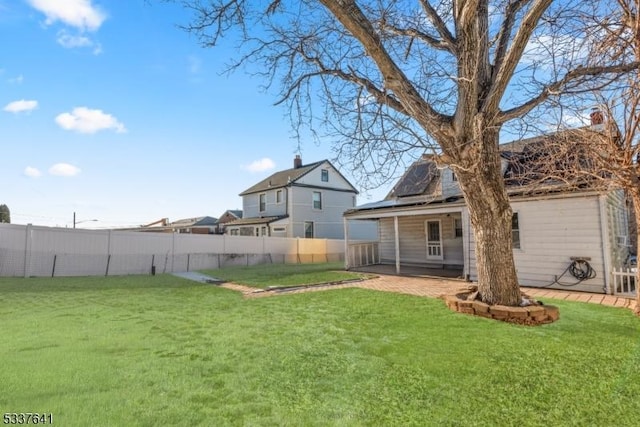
407	206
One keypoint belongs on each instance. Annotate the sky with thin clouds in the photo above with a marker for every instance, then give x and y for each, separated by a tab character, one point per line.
111	111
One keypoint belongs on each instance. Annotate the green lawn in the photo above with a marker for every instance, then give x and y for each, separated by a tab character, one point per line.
265	275
165	351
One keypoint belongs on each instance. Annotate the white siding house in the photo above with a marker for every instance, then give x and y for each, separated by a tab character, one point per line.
424	222
304	201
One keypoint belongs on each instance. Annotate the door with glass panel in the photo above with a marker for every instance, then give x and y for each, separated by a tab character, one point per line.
434	240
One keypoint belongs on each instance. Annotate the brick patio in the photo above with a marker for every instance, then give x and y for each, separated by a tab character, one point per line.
434	288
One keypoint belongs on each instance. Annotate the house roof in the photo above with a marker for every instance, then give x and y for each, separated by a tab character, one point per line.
288	177
191	222
282	178
539	165
416	180
256	220
236	213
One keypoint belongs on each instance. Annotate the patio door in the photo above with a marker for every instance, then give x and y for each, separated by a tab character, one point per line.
434	240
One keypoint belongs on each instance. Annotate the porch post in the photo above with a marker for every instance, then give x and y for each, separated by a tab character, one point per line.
397	241
346	243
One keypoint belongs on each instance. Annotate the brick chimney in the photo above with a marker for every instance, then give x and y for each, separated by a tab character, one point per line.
597	117
297	162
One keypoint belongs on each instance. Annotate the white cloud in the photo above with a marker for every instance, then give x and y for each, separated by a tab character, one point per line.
261	165
20	106
80	14
70	41
16	80
64	169
32	172
86	120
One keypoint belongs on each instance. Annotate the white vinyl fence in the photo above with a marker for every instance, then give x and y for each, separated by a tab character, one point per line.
29	250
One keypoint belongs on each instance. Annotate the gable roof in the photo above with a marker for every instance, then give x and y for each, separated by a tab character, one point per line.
190	222
287	177
417	179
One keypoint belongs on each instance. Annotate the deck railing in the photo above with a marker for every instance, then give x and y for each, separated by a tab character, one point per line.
363	253
624	282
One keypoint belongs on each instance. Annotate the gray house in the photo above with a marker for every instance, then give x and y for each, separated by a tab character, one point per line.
557	228
304	201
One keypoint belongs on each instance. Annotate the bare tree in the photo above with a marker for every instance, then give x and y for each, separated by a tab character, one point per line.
606	154
384	78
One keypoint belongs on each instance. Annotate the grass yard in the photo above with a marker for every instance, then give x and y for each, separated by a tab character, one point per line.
165	351
265	275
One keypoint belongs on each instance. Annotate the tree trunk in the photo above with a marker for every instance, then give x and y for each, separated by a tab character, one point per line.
490	213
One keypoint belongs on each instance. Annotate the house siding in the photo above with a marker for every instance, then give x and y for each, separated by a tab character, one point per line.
328	221
413	241
251	204
336	180
449	186
551	232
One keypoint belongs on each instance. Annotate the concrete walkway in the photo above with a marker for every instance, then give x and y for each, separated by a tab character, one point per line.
434	288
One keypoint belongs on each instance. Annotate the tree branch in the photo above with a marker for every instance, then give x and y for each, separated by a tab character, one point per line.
440	26
556	87
509	60
350	15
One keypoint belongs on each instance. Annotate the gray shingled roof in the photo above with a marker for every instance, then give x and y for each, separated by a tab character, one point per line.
281	179
256	220
416	179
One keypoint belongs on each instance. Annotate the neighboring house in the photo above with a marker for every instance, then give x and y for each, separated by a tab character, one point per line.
304	201
198	225
225	218
424	222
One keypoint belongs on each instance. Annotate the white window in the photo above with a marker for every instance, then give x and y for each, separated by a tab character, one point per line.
324	174
457	226
278	196
354	201
263	202
233	232
317	200
308	229
279	229
515	231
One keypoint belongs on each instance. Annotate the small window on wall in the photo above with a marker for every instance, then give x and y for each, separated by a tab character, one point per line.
317	200
308	229
324	173
457	225
453	176
279	196
515	231
263	202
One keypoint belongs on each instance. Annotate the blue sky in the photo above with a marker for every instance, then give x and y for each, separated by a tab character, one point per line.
110	111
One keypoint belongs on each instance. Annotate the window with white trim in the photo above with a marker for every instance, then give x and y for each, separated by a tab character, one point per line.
317	200
308	229
278	196
324	175
515	231
263	202
457	226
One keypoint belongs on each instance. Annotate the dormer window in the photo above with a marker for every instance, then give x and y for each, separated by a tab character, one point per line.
324	175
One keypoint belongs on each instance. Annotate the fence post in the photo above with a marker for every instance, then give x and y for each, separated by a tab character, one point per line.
27	250
106	272
173	250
